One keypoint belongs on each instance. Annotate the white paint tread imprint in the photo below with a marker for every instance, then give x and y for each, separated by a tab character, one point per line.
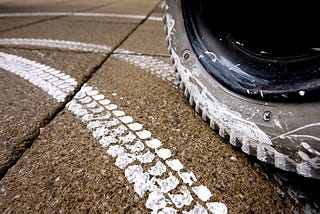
80	14
148	63
50	80
155	174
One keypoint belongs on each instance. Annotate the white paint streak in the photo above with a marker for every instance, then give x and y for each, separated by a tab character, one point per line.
124	159
156	201
81	14
148	157
175	164
158	67
168	184
149	63
122	145
135	174
103	120
153	18
105	141
128	138
92	93
86	100
164	153
182	199
188	177
144	134
57	44
98	97
154	143
296	130
158	169
202	192
104	102
111	107
132	171
217	208
197	210
40	75
137	147
168	210
126	119
118	113
135	126
115	150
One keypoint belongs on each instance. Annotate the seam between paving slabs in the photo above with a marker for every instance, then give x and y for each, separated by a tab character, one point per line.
50	18
68	98
29	24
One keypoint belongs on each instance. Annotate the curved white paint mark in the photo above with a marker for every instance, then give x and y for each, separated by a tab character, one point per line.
111	127
167	188
58	44
110	15
182	199
296	130
217	207
149	63
50	80
202	192
196	210
153	18
164	153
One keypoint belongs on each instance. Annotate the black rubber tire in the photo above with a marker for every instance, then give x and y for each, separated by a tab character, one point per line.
285	134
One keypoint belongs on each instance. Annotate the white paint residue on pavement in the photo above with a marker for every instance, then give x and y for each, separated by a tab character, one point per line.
158	67
202	192
149	63
217	207
50	80
154	173
158	177
58	44
109	15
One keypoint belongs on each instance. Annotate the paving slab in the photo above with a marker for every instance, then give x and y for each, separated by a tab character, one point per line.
78	167
148	39
26	108
128	141
14	22
129	7
71	29
16	6
66	171
166	113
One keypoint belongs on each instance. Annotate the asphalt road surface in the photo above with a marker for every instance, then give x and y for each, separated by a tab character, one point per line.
92	120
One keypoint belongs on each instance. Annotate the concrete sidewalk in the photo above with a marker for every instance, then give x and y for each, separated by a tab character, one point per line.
92	119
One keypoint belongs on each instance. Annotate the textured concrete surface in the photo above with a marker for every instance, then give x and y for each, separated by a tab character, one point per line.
167	114
26	109
72	29
52	157
150	31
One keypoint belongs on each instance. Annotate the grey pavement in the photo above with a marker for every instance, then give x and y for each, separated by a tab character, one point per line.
92	121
